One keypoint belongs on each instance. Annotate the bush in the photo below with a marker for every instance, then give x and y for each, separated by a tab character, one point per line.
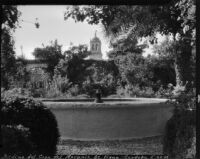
90	88
168	92
37	93
74	90
21	92
16	141
35	116
82	96
180	134
52	93
135	91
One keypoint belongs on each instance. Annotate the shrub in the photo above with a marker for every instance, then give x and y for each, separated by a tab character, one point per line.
82	96
135	91
35	116
51	93
74	90
180	133
60	84
90	88
16	141
15	92
168	92
37	93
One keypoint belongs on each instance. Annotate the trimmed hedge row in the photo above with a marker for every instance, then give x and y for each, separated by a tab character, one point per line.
36	117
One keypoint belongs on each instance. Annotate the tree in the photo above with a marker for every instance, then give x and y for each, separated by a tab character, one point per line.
72	66
129	22
167	51
81	51
10	16
50	54
87	74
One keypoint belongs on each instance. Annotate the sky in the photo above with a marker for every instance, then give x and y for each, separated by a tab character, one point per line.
53	26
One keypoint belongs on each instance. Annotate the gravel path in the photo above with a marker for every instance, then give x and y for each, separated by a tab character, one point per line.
150	146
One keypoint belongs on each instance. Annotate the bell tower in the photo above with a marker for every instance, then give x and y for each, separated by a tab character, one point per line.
95	48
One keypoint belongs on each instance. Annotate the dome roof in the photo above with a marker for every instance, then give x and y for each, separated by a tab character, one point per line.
95	39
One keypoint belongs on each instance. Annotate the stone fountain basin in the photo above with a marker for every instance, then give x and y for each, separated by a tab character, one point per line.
115	119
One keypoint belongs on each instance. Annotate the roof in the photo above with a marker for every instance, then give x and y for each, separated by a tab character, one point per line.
95	39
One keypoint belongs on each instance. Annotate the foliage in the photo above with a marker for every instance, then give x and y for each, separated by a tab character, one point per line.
100	74
60	83
16	141
69	68
7	59
20	92
125	69
152	71
132	68
124	23
22	76
81	51
167	92
10	16
35	116
73	65
181	55
74	90
180	133
140	20
85	76
51	54
37	93
135	91
161	70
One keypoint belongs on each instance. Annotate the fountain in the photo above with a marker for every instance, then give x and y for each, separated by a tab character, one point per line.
98	96
115	119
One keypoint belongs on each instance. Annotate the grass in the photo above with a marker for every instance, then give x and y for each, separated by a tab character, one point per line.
149	146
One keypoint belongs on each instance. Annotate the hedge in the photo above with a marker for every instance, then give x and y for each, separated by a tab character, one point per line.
34	115
16	141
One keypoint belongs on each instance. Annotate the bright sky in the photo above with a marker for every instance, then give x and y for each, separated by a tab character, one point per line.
53	26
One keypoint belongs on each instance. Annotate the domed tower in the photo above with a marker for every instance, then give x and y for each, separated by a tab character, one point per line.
95	48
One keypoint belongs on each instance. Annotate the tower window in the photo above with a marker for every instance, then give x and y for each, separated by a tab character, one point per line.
96	47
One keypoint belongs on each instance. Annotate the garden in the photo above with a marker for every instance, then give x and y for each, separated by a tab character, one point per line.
31	105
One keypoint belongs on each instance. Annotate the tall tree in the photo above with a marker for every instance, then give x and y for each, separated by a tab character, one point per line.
129	22
10	16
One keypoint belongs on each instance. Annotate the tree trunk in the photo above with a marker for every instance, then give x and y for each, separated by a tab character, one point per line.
183	63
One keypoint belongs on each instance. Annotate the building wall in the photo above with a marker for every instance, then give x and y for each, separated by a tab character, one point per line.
95	49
